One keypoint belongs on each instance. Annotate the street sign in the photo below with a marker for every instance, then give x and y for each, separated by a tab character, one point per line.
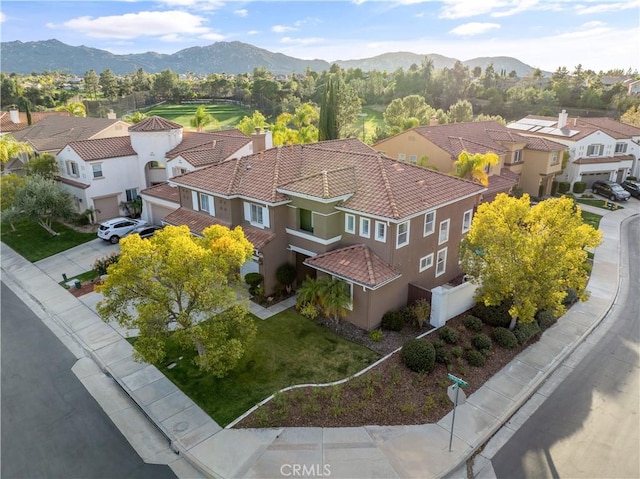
458	381
451	392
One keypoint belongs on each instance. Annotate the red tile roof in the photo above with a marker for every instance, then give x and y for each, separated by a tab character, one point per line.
603	159
164	192
586	126
544	144
198	222
103	148
7	125
201	149
325	184
357	264
75	184
155	123
383	186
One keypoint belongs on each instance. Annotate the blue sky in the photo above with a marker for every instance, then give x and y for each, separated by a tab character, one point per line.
598	34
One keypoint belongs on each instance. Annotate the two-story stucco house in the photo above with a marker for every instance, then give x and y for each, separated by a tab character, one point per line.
599	148
104	173
522	163
337	208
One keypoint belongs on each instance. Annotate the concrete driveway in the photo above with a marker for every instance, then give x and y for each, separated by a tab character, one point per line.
75	261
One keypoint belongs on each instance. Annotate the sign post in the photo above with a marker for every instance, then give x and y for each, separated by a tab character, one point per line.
457	384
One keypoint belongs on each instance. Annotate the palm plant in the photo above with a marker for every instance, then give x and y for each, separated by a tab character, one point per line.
472	167
11	148
335	298
202	119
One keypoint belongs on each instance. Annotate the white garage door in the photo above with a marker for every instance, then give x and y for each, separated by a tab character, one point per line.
107	208
158	213
590	178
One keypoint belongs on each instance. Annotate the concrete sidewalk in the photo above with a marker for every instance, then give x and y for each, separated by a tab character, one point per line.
420	451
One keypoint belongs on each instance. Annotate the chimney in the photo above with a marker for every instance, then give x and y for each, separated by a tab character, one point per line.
14	115
433	121
562	119
111	115
268	140
258	141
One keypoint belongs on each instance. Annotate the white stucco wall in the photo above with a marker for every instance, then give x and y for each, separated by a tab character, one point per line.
450	301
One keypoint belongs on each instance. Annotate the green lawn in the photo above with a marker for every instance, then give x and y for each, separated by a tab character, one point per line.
591	219
597	203
228	115
289	350
34	243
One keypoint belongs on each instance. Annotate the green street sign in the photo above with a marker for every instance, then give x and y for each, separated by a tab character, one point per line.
458	381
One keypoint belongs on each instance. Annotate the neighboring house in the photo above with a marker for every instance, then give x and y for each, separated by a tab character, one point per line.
521	164
337	208
599	148
14	120
633	87
106	173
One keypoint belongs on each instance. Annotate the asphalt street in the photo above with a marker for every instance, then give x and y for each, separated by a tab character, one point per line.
51	426
589	426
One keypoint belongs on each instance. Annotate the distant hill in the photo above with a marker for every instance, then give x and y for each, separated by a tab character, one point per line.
219	57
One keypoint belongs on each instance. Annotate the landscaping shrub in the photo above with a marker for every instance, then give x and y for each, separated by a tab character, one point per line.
546	319
475	358
437	343
392	321
286	275
554	188
481	341
443	356
632	178
449	335
421	311
376	335
571	297
407	315
505	338
525	331
254	280
456	351
472	323
579	187
101	264
563	187
418	355
309	311
493	315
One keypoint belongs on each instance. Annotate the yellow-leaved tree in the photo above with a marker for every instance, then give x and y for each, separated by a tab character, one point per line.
177	282
528	256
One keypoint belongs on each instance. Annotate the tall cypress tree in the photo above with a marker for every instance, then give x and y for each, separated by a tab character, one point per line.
328	124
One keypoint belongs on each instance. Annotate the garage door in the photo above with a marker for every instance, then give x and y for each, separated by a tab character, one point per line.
590	178
107	208
158	213
251	266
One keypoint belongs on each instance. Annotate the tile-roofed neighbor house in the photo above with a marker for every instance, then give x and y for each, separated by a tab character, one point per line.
103	148
14	120
338	208
599	148
155	123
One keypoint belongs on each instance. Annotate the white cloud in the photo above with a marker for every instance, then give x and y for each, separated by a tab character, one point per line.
216	37
201	5
253	32
605	7
243	12
133	25
282	29
473	28
301	41
3	17
454	9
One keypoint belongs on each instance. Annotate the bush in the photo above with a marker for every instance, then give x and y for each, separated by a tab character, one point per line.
493	315
456	351
563	187
472	323
554	188
309	311
80	219
254	280
481	341
407	316
632	178
376	335
101	265
448	335
525	331
571	297
437	343
392	321
443	356
579	187
422	311
418	355
475	358
286	275
505	338
546	319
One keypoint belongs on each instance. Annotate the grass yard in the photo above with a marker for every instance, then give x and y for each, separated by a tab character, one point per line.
228	115
591	219
289	349
598	203
34	243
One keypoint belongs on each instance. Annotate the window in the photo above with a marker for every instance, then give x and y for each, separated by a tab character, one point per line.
349	224
555	158
179	171
426	262
72	168
256	214
381	231
402	238
306	220
206	204
429	223
621	148
443	235
365	224
517	156
402	157
466	220
413	159
97	170
594	150
132	194
155	164
441	262
349	287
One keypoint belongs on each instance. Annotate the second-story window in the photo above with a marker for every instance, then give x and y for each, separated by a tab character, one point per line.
429	223
131	194
443	235
402	157
97	170
381	231
555	158
256	214
517	156
206	204
621	148
72	168
349	224
306	220
365	227
466	220
441	262
402	238
595	150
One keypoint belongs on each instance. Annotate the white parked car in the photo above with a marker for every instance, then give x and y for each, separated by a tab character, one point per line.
117	228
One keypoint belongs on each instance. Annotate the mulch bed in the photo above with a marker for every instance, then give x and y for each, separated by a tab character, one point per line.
85	288
389	394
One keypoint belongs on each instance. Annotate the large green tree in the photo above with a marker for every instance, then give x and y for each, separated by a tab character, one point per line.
405	113
328	121
528	256
11	148
109	84
202	119
176	281
44	165
91	84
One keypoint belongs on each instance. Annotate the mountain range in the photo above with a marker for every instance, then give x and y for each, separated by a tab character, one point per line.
220	57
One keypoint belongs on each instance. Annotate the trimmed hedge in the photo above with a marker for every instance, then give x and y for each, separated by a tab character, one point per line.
392	321
448	335
571	297
579	187
505	338
475	358
419	355
546	319
481	341
525	331
563	187
472	323
443	356
493	315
